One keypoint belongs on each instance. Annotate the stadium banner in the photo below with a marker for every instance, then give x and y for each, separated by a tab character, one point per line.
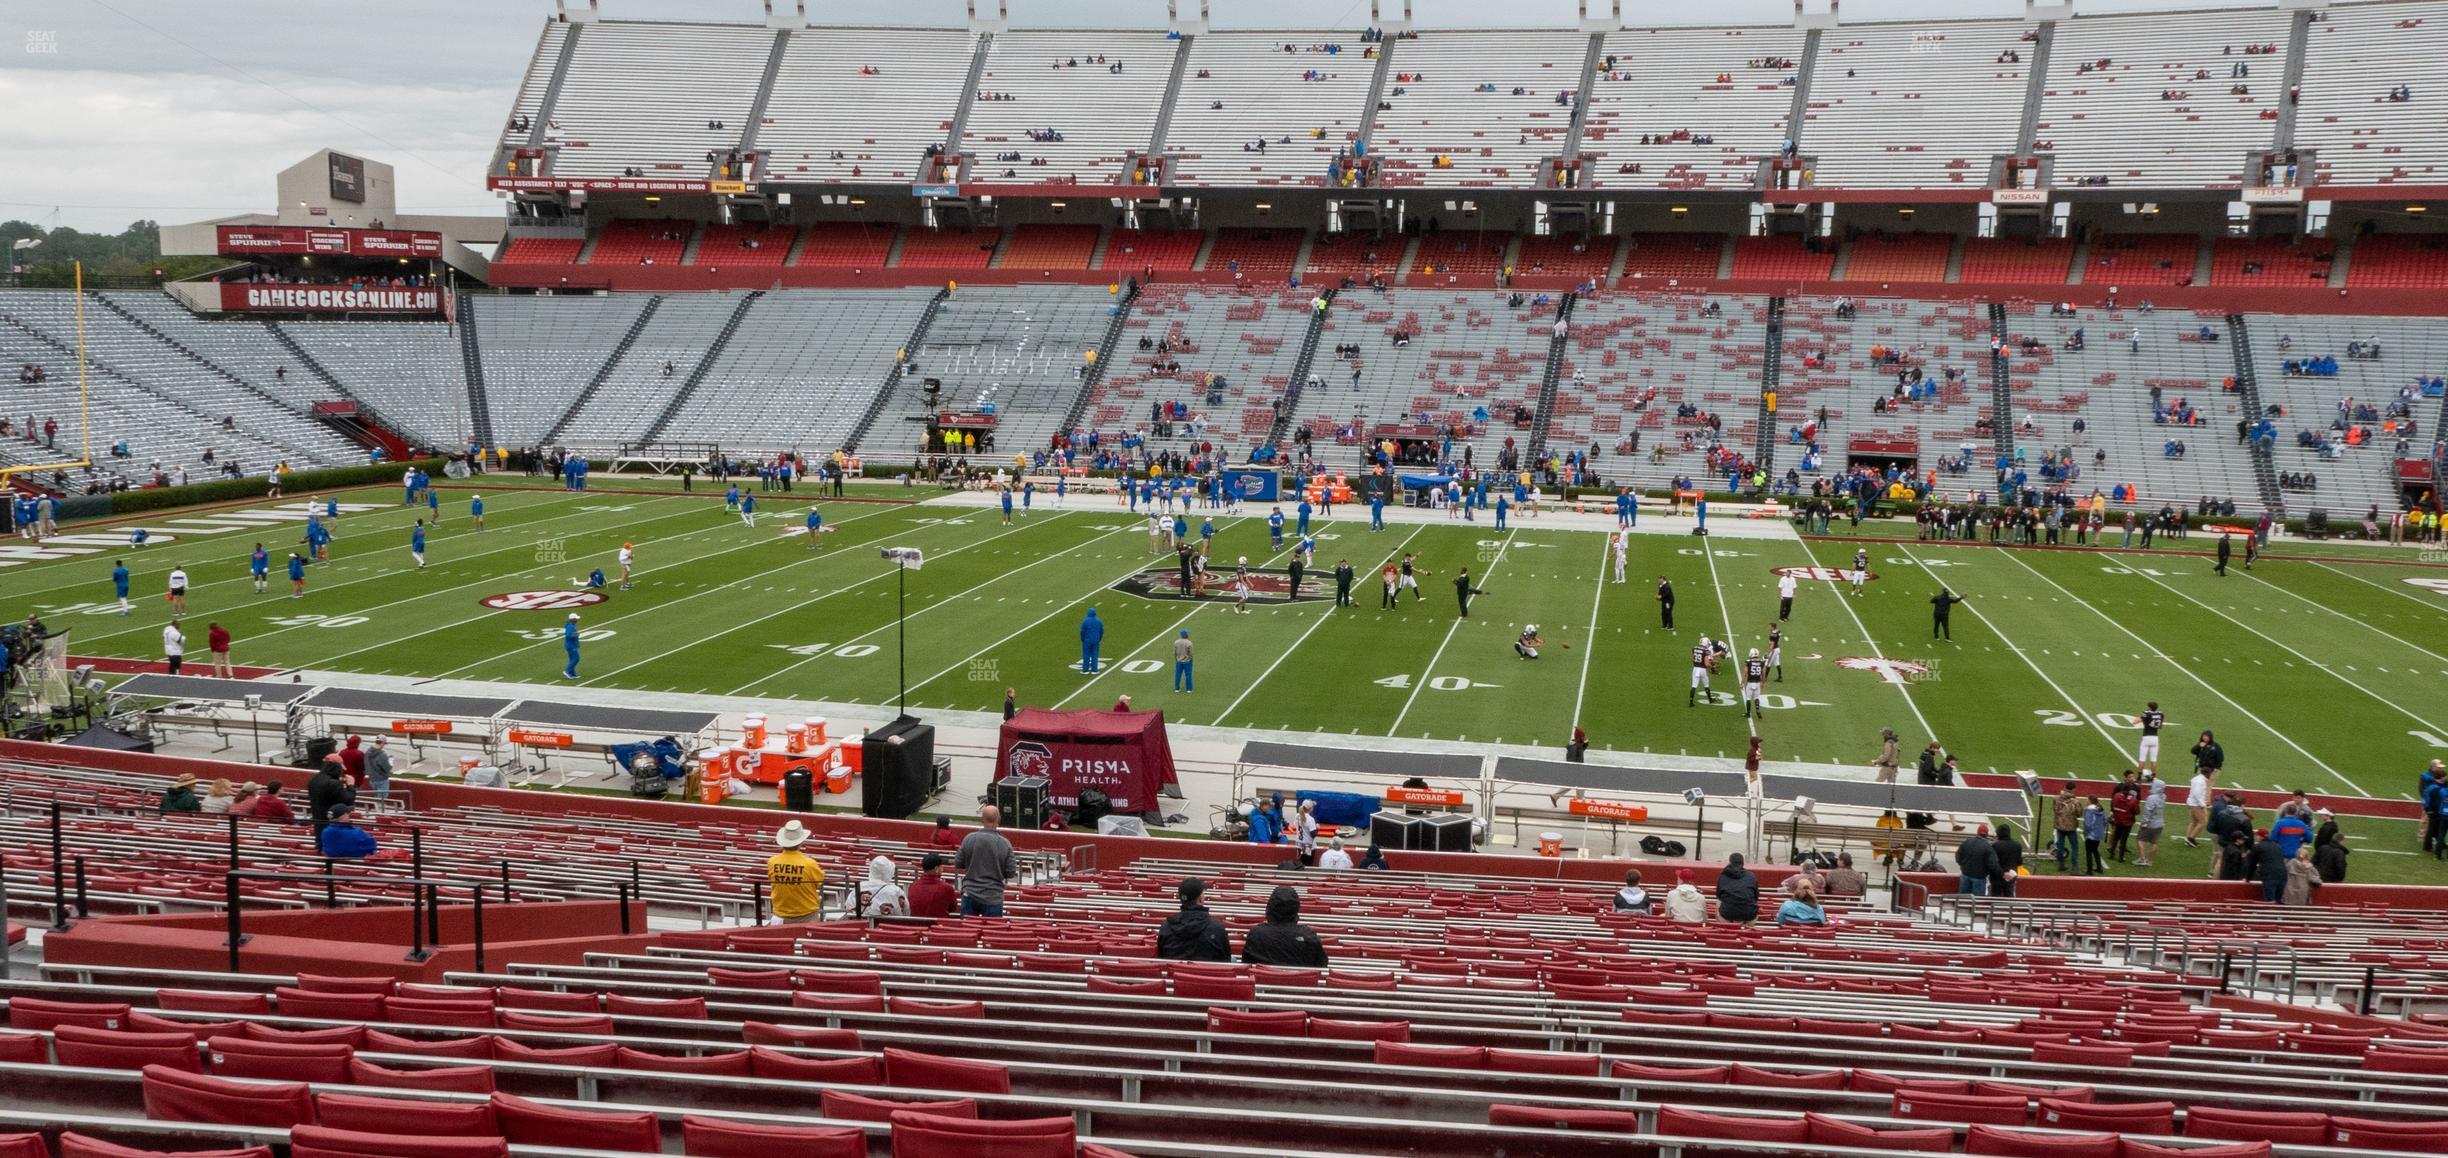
1608	810
1254	486
534	739
1125	755
330	299
1441	796
2018	196
421	727
240	239
2273	195
935	191
603	184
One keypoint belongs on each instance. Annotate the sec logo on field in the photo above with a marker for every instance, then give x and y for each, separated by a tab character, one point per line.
541	600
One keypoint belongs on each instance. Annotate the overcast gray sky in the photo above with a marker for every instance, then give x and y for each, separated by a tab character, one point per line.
180	110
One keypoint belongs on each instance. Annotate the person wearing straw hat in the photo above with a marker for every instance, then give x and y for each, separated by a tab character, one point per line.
794	881
181	795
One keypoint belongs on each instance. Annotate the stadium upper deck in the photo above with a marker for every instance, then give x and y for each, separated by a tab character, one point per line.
2275	106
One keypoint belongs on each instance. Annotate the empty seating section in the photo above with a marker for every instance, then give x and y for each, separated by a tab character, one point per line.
861	104
1675	86
2357	54
1633	360
1016	351
2271	262
800	370
540	251
2142	259
1251	338
2362	476
642	241
2013	261
1914	106
951	249
160	398
2111	389
529	104
1918	257
550	347
2398	261
1836	370
1458	258
1784	258
2163	112
1458	121
1650	257
1579	257
1467	352
239	345
1049	247
736	245
649	374
1049	83
1244	87
1255	252
648	96
1151	250
411	373
846	245
1334	256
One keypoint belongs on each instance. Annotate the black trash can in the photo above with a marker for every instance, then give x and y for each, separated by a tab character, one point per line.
799	790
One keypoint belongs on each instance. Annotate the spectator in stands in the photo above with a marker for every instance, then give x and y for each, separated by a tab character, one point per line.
2266	864
378	768
1373	857
326	791
794	882
270	806
1685	903
2329	850
343	839
217	799
1738	892
943	836
1802	908
2066	811
1844	880
2006	857
1632	898
181	795
2151	820
1193	934
885	896
2302	878
929	895
1283	941
985	861
1334	857
352	761
1975	863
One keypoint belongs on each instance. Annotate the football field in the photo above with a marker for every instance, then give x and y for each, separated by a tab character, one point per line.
2323	668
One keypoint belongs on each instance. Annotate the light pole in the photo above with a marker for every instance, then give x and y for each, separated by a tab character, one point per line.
905	560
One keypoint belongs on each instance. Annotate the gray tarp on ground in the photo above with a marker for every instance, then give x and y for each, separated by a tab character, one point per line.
409	705
597	718
1729	785
1360	761
206	688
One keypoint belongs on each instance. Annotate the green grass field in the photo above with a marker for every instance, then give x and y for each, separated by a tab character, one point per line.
2324	675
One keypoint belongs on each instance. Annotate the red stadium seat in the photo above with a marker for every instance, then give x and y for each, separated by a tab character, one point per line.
78	1045
1746	1075
334	1005
684	1008
325	1142
24	1146
722	978
2367	1134
35	1013
1266	1023
912	1007
2134	1149
1088	1150
918	1135
2034	1093
860	1108
2293	1129
733	1063
460	1047
74	1145
703	1137
593	1056
23	1047
1540	1061
852	1003
804	1036
534	1123
401	1116
765	1062
2025	1144
598	1026
1441	1057
324	983
1827	1131
1150	987
2090	1054
243	1057
2001	1110
910	1069
2122	1117
178	1096
196	1031
212	1001
1332	1030
543	1000
354	1036
1678	1122
1201	988
1555	1118
426	1011
459	1079
1874	1082
1706	1075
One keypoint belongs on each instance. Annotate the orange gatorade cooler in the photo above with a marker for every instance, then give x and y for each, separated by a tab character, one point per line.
754	727
746	762
1551	844
837	781
816	729
715	761
794	739
468	764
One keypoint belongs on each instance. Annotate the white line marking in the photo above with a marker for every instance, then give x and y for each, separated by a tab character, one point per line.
1450	629
2356	685
2037	670
1606	548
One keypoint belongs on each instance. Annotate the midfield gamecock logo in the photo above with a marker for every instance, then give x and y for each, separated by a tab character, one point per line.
542	600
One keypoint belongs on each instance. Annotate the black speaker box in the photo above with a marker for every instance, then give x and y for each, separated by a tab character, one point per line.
1395	830
1445	832
897	770
1023	800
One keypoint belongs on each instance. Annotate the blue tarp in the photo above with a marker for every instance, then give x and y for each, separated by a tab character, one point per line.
666	751
1342	809
1419	481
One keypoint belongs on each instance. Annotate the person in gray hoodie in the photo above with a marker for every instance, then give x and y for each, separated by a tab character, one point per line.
1283	940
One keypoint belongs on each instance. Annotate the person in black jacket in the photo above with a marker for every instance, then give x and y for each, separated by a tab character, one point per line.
2007	852
2208	756
1283	940
1975	863
1193	934
2329	851
2266	864
327	790
1737	892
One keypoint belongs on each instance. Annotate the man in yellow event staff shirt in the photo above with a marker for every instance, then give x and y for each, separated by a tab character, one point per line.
793	878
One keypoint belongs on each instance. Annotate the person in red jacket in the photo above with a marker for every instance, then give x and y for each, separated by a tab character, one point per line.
2124	803
270	806
930	895
944	837
352	762
217	641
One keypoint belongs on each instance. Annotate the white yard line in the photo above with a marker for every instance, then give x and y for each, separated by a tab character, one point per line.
1430	673
2116	745
2397	590
2172	661
1845	601
946	601
2355	684
1589	642
1105	669
2328	610
1286	653
1726	613
1104	588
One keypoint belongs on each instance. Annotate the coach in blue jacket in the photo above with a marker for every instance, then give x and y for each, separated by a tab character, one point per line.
1092	633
